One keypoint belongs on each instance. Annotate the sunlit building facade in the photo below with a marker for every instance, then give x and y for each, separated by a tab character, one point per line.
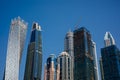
108	39
17	35
101	69
93	50
68	47
33	68
52	68
64	59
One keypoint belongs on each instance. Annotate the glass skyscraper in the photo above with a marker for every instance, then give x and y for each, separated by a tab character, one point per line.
52	68
83	55
17	35
33	66
110	59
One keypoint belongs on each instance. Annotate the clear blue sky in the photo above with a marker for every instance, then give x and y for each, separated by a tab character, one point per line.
56	18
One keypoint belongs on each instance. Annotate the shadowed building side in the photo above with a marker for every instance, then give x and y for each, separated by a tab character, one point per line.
83	56
110	59
101	69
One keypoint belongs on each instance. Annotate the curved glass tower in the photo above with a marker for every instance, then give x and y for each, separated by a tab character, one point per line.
16	41
33	66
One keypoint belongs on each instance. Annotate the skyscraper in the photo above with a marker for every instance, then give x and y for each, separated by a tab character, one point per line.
64	59
68	47
93	50
17	35
110	59
83	56
52	68
33	66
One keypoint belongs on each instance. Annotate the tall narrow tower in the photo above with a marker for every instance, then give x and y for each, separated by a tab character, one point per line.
68	47
93	49
64	59
33	66
83	56
17	35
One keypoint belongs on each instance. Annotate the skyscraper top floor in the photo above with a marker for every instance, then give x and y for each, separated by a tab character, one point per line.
19	21
36	26
81	29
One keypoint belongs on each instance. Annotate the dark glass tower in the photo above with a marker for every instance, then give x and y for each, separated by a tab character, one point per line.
33	66
111	62
101	69
83	55
110	59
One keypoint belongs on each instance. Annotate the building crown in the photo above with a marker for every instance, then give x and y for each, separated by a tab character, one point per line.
36	26
108	39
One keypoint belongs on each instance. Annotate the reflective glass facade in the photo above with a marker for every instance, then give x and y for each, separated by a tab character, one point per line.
15	47
52	68
111	62
33	66
83	56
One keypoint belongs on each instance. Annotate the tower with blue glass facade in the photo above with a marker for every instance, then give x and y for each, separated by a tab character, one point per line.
33	66
110	59
83	55
52	68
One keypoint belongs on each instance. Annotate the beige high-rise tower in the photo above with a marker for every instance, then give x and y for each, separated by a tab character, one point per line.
64	59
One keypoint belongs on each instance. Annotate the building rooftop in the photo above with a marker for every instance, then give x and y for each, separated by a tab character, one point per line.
36	26
81	28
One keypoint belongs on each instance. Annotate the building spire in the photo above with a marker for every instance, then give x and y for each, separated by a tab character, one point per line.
108	39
